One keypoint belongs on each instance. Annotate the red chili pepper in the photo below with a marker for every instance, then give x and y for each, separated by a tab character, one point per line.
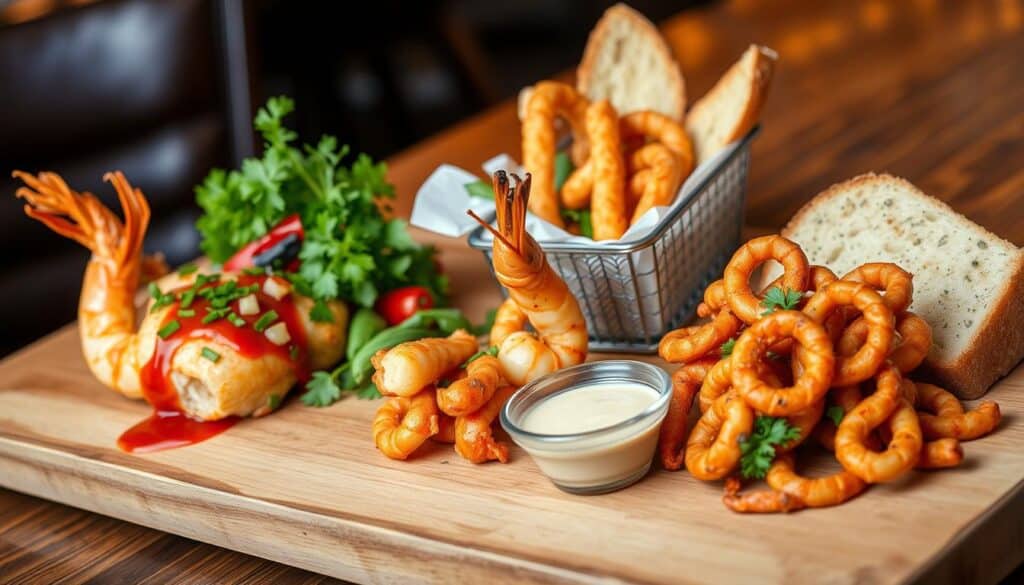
284	228
401	303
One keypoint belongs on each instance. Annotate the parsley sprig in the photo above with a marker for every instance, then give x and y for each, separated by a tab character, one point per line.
777	298
351	250
758	450
835	413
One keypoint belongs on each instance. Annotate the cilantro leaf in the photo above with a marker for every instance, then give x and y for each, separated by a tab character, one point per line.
777	298
758	450
321	390
727	347
835	413
582	218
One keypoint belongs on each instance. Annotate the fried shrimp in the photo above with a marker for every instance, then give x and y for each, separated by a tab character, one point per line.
714	299
945	417
940	454
897	283
608	197
752	254
759	502
466	395
548	100
665	173
403	423
408	367
474	438
541	295
508	319
814	355
865	362
904	448
672	438
689	343
713	449
818	492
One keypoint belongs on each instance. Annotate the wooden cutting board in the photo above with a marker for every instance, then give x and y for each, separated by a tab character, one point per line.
306	487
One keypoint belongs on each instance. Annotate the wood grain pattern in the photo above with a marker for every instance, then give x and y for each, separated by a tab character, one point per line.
923	89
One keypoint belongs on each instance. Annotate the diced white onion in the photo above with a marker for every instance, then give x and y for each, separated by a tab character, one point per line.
248	305
274	287
278	334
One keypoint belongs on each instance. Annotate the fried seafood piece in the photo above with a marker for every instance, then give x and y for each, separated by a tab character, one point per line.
863	364
898	284
468	394
672	437
845	397
944	416
713	449
814	356
739	297
409	367
608	198
664	174
909	349
540	294
759	502
403	423
548	100
818	492
689	343
474	438
904	447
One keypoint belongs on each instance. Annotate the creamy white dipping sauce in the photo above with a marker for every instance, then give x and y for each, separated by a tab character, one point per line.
588	408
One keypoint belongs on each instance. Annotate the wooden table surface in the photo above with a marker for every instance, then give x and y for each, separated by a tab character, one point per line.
927	90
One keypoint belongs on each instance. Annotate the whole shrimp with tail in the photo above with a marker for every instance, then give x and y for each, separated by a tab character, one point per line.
536	294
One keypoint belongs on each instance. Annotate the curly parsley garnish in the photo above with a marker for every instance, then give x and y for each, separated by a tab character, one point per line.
777	298
758	450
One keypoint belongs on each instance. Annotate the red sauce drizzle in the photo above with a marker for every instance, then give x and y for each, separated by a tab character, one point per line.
168	427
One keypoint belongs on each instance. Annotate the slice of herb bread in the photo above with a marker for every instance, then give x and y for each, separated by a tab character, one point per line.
968	282
628	63
733	106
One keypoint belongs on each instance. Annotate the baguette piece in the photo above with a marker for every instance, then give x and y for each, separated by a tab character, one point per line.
628	63
968	282
733	106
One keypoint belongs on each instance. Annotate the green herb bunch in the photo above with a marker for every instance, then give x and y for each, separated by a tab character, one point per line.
351	250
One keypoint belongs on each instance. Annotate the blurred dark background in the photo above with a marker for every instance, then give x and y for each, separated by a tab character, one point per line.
165	90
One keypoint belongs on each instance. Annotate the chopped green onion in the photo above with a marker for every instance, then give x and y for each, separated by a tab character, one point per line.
214	314
210	355
186	298
264	321
187	269
169	329
154	291
236	320
186	312
254	270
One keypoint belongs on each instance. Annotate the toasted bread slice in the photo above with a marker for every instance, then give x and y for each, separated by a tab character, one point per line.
968	282
733	105
628	63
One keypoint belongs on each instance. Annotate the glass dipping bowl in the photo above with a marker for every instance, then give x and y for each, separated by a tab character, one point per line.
604	459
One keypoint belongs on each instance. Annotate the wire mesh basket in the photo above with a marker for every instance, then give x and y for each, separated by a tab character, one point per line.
634	292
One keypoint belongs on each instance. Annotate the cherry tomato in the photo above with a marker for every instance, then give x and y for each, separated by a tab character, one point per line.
401	303
287	236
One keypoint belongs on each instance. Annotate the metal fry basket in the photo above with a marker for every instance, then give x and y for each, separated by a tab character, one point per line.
634	292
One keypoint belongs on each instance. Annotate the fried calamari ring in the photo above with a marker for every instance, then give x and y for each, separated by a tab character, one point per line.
865	362
713	449
759	502
805	422
403	423
717	381
914	340
903	449
672	437
689	343
660	128
897	283
815	357
483	376
945	417
940	454
714	299
818	492
608	198
752	254
637	184
577	188
548	100
661	185
819	276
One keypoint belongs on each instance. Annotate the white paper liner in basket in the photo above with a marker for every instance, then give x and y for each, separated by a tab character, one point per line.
442	201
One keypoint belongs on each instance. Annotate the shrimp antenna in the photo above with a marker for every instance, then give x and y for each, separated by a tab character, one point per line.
522	201
490	228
